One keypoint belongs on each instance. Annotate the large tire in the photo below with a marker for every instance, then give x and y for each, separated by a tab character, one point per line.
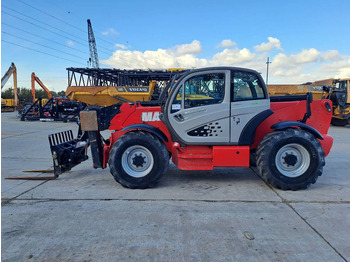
138	160
291	159
339	122
252	158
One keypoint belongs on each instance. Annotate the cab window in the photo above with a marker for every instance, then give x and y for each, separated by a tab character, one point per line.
246	86
342	85
205	89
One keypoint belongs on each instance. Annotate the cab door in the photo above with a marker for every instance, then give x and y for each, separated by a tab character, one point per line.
250	105
198	109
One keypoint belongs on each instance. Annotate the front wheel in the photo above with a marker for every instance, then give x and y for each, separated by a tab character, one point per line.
291	159
138	160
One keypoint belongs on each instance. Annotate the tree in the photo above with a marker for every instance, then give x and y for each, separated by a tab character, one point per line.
25	94
7	94
61	93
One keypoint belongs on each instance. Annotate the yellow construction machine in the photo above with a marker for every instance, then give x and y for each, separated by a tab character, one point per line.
106	87
110	95
337	90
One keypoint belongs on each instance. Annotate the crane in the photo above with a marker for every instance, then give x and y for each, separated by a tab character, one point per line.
34	79
92	45
11	71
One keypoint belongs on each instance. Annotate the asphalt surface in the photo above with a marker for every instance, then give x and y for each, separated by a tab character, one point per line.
221	215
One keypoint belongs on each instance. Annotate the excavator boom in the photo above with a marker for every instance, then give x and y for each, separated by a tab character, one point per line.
11	71
36	79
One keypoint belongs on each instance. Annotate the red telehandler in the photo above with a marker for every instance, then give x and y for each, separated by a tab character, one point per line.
205	118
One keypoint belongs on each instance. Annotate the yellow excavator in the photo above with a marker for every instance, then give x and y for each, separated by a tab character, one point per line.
10	105
337	90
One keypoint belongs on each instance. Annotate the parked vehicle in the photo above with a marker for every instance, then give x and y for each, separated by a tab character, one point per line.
205	118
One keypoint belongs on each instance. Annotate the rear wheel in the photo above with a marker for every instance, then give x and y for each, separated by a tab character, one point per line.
252	158
138	160
291	159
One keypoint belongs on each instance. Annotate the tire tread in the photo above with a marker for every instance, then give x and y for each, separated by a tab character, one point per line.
119	176
267	144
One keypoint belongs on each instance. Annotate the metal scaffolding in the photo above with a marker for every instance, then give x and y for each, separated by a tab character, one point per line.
118	77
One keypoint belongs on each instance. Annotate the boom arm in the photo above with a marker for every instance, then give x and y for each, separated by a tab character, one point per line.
92	46
11	71
36	79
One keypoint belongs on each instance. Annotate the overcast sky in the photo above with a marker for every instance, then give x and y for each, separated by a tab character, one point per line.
305	40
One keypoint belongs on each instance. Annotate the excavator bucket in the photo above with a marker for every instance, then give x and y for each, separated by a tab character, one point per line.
67	151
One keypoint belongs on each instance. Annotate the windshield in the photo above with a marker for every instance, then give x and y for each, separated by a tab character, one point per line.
341	85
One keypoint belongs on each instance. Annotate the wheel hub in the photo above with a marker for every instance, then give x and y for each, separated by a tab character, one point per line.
292	160
137	161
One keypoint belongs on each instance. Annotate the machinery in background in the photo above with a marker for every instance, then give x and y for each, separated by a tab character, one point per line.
54	109
339	94
337	90
10	105
105	87
34	79
50	109
93	60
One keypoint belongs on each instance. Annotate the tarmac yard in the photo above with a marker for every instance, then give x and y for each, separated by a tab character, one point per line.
221	215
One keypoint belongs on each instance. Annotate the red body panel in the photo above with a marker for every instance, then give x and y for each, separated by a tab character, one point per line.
208	157
226	156
294	111
137	114
192	157
131	115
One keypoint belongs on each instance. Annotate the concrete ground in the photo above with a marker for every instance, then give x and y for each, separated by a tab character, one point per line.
222	215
